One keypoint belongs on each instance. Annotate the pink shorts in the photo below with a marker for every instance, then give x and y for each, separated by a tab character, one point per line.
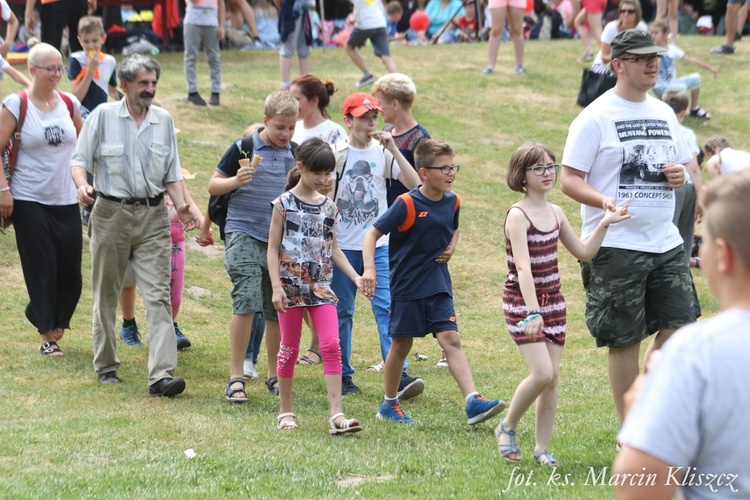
499	4
594	6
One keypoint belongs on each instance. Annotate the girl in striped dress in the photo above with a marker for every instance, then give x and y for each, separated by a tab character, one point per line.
533	304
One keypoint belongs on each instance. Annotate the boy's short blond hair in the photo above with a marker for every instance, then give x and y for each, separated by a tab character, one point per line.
89	25
280	102
428	150
726	205
678	99
396	86
394	7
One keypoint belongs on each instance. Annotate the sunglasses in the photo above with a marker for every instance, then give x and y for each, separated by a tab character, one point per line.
627	11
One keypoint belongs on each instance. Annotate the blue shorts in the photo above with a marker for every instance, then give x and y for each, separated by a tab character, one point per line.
418	317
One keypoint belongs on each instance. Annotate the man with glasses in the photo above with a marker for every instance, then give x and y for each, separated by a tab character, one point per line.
625	147
130	148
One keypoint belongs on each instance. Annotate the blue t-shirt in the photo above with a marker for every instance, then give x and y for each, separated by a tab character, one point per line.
414	246
249	209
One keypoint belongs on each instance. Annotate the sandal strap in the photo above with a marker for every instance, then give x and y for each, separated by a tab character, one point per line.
284	415
545	454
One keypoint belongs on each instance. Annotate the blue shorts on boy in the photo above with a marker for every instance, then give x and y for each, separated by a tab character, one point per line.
417	237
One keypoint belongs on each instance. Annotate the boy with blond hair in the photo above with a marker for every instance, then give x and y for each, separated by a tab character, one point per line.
92	66
421	289
679	429
246	232
395	93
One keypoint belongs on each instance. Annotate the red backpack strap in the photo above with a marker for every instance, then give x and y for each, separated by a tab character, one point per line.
68	102
16	142
411	213
458	203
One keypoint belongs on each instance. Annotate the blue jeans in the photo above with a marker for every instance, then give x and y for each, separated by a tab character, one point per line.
256	337
346	291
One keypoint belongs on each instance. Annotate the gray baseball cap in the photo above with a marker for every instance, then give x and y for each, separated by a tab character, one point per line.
634	42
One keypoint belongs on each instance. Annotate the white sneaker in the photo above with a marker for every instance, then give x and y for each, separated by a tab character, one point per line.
249	369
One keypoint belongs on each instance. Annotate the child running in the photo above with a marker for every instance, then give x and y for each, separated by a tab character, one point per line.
534	307
423	227
301	246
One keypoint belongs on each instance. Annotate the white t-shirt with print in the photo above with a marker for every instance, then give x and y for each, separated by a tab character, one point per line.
329	131
48	140
361	195
621	145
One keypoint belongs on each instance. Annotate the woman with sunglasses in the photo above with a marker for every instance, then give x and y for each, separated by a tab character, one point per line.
629	17
41	197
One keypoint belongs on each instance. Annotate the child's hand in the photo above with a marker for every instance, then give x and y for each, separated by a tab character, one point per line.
534	328
444	257
360	282
279	299
328	186
206	238
93	61
384	138
369	282
608	204
245	175
619	214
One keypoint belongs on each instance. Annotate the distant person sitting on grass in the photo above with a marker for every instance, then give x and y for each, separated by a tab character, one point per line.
421	289
668	70
682	429
461	28
370	24
535	309
723	158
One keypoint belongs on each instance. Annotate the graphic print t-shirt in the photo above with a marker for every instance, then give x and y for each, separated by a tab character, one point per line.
361	195
305	253
621	146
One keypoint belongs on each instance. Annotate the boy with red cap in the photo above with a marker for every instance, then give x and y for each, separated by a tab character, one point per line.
363	163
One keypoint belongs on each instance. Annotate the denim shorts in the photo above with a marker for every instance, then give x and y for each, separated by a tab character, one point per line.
418	317
246	263
631	295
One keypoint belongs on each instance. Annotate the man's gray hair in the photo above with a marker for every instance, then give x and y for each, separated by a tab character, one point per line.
130	66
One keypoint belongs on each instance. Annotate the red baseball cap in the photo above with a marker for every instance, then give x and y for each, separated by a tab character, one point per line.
359	103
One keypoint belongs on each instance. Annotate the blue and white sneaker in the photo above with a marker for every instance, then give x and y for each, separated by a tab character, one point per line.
130	335
393	411
481	409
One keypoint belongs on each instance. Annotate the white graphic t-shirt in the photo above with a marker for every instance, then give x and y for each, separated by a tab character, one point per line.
621	146
305	253
361	195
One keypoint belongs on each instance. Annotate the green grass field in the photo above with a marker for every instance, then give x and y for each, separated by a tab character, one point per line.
64	435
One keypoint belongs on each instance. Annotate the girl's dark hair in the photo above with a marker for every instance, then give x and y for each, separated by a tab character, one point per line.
316	156
311	86
527	155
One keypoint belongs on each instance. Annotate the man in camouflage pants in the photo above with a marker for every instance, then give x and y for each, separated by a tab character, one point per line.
625	148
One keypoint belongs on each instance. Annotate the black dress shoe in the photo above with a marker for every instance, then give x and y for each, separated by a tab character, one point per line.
167	387
109	378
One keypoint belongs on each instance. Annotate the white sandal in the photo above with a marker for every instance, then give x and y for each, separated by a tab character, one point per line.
345	426
286	426
377	368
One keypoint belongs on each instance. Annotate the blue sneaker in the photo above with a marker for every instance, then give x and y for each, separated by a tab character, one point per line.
409	387
393	411
130	335
182	341
481	409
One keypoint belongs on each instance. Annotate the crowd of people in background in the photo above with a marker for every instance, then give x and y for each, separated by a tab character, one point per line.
324	212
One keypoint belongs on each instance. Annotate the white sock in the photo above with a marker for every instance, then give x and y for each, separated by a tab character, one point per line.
471	396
